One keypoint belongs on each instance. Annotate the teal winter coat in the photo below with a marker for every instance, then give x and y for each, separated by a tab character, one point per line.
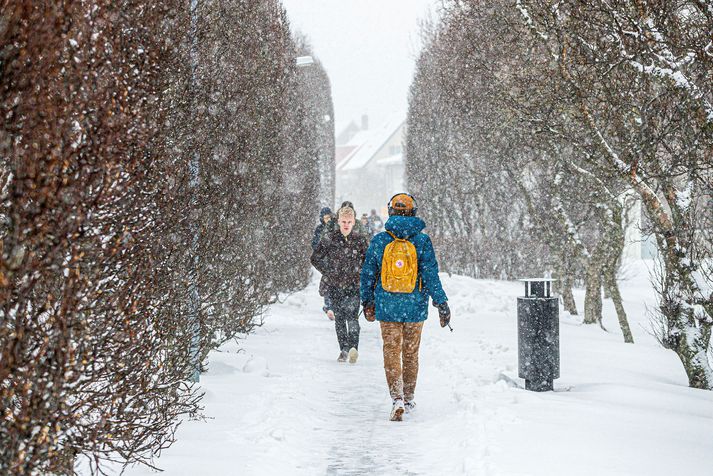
402	307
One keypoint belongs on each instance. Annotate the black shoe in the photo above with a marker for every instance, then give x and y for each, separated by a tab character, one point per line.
342	356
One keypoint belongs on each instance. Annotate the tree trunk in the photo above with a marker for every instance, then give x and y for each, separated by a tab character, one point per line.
593	287
567	296
613	286
614	248
565	272
685	334
593	295
690	343
694	357
607	291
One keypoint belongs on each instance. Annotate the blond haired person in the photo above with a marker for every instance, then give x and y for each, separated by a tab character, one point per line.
339	257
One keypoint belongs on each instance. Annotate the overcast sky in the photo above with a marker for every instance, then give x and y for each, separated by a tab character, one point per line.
368	48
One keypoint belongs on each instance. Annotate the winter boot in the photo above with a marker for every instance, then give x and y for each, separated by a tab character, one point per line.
353	355
397	411
409	405
342	356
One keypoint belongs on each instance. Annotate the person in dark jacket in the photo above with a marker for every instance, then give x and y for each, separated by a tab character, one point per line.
339	257
402	314
375	224
365	225
325	225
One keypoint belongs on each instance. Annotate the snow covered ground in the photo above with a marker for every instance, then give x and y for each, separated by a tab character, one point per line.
284	406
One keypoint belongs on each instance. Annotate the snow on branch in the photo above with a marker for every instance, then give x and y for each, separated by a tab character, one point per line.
672	68
528	20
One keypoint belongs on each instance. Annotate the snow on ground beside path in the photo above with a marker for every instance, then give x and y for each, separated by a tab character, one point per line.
284	406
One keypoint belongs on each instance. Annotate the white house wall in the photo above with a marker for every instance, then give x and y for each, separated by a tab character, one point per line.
371	186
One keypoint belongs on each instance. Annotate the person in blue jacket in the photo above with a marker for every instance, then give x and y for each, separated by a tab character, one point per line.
401	315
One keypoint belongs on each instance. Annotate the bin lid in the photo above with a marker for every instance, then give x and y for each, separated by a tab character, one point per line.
538	287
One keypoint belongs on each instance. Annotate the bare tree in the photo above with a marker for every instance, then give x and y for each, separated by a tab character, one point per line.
637	77
505	151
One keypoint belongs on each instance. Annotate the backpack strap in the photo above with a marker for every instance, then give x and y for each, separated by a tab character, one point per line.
395	237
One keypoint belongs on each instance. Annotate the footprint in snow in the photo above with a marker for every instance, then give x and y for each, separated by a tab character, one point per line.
257	365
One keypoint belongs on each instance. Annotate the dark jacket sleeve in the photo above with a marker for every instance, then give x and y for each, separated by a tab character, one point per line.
317	236
319	258
428	268
363	250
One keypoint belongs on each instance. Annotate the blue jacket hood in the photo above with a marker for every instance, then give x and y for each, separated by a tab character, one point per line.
404	227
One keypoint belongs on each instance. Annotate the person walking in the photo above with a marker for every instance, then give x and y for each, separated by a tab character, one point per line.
366	225
339	257
399	274
326	224
376	225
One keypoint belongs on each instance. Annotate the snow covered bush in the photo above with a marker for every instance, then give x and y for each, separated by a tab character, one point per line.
87	367
158	183
256	123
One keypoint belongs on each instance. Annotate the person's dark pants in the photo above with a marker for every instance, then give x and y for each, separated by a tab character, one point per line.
345	304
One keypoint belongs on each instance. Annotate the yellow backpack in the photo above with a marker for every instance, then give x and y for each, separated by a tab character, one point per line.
399	266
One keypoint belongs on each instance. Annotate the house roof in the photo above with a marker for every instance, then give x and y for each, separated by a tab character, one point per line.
366	144
341	152
345	132
391	160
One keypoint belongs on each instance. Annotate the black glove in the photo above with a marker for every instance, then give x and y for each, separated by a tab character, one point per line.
369	311
444	312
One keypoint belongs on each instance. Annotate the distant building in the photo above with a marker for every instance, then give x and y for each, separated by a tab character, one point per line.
370	164
639	242
346	134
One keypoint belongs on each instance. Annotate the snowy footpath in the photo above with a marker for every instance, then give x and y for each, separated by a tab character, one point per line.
283	405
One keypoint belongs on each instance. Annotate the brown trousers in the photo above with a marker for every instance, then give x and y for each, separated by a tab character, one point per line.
401	343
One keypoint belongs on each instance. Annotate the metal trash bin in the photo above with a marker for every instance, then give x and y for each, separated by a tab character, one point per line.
538	335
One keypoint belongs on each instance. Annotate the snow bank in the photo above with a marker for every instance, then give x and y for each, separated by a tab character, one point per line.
285	406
